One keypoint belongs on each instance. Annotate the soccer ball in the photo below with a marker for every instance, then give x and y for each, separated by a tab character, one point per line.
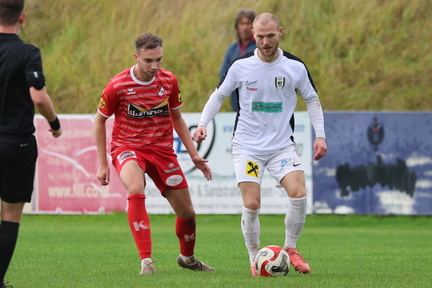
272	261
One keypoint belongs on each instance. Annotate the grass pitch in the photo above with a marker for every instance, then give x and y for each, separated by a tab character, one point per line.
343	251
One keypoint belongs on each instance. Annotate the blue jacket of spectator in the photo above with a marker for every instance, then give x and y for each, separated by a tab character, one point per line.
233	52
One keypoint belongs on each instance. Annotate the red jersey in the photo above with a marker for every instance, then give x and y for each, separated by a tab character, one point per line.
141	109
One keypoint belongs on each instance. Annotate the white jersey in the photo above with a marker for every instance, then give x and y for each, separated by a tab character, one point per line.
267	100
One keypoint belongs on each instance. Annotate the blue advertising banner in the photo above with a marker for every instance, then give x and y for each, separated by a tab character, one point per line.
377	163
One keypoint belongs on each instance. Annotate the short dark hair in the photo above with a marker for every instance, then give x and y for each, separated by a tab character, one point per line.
244	13
147	41
10	11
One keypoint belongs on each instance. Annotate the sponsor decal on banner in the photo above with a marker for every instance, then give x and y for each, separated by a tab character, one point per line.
204	148
384	167
221	195
66	168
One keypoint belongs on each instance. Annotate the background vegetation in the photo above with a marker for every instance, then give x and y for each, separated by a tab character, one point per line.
363	55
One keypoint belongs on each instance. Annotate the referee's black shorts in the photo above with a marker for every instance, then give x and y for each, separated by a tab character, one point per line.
17	168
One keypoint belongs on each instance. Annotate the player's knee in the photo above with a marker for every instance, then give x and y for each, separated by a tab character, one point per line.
186	214
298	193
133	190
252	205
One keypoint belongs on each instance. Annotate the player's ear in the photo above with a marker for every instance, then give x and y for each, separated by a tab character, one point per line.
22	18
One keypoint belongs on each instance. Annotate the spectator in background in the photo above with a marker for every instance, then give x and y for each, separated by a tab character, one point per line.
146	101
245	43
22	87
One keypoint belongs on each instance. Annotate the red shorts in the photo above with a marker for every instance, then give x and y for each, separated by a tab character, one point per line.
161	166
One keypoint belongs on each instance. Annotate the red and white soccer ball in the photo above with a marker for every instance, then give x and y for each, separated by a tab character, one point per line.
272	261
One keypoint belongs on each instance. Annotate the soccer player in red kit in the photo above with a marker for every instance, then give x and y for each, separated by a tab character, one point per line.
146	100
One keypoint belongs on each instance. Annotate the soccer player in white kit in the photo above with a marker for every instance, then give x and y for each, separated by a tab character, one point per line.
266	81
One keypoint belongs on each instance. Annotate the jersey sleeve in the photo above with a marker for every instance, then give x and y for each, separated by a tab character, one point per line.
175	98
228	84
33	70
306	86
108	101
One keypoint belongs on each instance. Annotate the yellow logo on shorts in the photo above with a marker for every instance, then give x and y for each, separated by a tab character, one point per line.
252	169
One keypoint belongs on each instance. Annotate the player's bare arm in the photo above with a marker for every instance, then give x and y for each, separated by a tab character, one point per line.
103	172
183	132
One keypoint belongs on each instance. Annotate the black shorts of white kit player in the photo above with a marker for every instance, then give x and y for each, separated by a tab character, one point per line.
17	167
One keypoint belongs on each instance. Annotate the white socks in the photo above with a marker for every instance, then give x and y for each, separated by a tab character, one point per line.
185	258
250	227
294	221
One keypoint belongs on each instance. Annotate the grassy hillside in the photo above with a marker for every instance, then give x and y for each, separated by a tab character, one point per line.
363	55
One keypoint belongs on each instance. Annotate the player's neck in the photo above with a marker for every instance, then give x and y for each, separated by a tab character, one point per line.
10	29
268	59
141	77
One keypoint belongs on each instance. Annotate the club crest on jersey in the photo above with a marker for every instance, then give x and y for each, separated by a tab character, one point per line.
280	82
161	91
138	112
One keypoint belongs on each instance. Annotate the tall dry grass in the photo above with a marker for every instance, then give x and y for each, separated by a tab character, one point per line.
363	55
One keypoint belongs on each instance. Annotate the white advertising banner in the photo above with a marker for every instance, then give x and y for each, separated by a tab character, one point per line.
221	195
66	181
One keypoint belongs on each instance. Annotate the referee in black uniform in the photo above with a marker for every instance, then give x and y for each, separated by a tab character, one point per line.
22	87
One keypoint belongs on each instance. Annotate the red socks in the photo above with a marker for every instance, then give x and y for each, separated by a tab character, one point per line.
139	224
185	231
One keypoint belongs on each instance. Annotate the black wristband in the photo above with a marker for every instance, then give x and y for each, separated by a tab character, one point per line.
55	125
